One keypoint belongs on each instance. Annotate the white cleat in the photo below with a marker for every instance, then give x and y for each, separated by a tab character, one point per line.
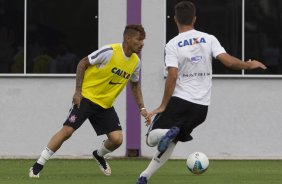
107	171
32	175
103	165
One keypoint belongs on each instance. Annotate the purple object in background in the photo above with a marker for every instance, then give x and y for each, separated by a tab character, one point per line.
133	119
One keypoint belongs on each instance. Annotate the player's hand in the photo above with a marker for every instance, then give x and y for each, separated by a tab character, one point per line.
154	112
77	97
254	64
144	113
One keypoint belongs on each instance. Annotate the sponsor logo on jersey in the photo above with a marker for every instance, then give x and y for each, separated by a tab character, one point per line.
196	59
196	74
113	83
120	73
191	41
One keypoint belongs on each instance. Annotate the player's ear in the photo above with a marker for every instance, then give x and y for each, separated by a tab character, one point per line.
175	19
194	20
126	38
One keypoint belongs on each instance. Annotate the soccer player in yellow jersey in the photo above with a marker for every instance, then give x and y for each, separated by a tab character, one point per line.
100	77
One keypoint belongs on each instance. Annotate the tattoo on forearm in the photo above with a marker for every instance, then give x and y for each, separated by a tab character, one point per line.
137	94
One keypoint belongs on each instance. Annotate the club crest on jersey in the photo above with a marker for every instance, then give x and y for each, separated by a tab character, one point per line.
191	41
120	73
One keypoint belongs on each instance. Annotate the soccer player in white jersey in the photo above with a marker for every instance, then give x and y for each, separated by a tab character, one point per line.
184	106
100	77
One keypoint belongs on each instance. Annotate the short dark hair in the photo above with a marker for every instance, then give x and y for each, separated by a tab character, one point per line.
185	11
131	29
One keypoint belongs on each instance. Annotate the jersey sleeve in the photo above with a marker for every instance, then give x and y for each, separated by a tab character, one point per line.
171	59
135	75
101	56
216	47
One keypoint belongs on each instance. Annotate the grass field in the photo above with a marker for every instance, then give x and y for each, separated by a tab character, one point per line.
126	171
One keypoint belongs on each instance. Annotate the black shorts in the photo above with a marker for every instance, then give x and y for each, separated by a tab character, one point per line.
102	120
183	114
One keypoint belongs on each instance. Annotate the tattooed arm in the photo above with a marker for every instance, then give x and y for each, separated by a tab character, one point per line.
137	93
136	89
80	70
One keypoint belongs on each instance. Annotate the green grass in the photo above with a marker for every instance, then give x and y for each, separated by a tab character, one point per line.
126	171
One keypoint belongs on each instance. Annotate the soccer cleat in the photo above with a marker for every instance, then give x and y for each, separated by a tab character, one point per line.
142	180
167	139
34	170
32	175
103	165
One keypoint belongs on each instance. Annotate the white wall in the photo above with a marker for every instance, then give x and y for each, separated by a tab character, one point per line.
112	20
244	119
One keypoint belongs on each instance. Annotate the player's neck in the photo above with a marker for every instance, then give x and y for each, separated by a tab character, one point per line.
184	28
127	51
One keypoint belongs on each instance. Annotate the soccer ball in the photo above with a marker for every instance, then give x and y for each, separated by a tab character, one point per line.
197	162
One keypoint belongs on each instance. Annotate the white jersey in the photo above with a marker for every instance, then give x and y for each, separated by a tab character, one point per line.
191	52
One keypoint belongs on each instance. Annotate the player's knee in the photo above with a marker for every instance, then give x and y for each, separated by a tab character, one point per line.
150	142
117	140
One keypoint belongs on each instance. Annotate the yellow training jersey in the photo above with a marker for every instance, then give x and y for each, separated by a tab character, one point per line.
107	76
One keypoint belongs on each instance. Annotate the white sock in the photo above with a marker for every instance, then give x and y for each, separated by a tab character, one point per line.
155	135
103	150
157	161
45	155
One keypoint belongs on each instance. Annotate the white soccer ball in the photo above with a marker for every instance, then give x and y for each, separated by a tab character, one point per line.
197	162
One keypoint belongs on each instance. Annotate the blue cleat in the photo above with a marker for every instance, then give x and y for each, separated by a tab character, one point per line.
142	180
167	139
